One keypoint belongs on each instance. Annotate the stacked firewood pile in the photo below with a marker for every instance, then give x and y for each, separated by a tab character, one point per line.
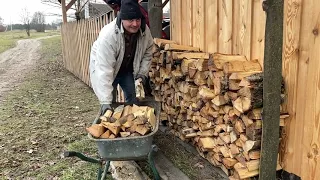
213	101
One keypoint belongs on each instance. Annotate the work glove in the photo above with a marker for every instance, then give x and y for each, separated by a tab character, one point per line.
140	82
104	108
143	79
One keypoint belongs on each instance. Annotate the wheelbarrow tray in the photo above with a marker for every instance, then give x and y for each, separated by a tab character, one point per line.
128	148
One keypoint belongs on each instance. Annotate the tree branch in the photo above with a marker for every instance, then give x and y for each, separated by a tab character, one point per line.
165	3
70	4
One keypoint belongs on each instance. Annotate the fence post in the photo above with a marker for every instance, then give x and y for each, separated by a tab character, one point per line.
271	88
155	17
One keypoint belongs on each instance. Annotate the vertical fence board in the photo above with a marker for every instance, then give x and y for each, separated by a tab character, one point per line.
178	20
236	27
292	24
211	26
173	15
186	22
245	27
258	27
198	24
309	92
225	26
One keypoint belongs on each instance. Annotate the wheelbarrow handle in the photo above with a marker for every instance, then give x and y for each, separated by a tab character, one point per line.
82	157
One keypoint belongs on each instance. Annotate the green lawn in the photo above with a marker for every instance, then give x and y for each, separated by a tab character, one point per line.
8	39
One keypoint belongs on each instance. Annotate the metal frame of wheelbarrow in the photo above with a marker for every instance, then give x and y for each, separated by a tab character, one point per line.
124	149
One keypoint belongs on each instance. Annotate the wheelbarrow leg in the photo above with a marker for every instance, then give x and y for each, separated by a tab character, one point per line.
101	174
105	171
151	162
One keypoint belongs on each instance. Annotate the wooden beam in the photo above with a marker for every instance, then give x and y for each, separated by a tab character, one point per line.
271	88
155	17
64	11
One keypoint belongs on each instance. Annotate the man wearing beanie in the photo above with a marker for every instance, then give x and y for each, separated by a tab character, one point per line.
120	55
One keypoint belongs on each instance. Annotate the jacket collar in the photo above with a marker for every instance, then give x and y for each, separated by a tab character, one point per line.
142	28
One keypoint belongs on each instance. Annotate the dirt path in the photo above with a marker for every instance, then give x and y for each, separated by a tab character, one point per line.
15	63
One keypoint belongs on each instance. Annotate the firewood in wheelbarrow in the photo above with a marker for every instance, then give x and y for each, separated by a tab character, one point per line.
108	113
140	120
96	130
125	134
143	129
113	127
106	135
108	119
152	118
132	128
135	134
127	110
112	136
139	110
127	121
118	112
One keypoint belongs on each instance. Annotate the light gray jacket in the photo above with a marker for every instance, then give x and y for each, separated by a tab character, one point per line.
107	54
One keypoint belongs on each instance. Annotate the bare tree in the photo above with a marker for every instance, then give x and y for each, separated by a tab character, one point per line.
2	28
38	22
76	5
1	21
25	18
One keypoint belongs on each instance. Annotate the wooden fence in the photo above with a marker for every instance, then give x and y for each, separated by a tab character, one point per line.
237	27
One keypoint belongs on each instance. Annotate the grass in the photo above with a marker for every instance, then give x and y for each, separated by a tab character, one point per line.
8	39
42	118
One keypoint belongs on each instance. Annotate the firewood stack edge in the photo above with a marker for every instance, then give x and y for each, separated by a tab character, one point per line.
213	101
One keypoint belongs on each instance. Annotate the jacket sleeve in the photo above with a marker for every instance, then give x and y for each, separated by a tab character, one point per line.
104	70
146	58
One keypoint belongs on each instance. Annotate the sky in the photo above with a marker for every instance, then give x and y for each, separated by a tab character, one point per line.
11	9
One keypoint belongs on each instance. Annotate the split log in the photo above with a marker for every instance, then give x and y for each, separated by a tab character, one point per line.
176	47
241	66
216	62
186	55
251	145
162	42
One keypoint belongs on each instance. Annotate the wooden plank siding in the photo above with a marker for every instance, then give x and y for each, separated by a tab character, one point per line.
238	27
225	26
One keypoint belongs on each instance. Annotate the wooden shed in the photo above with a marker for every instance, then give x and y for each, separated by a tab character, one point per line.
238	27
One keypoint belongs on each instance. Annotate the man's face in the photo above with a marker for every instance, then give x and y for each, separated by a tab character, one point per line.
131	26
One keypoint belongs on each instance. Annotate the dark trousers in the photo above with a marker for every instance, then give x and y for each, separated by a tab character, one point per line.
126	82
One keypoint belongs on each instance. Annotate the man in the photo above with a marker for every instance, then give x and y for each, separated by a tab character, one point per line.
120	55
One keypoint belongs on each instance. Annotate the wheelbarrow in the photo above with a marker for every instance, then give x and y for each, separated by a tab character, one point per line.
123	149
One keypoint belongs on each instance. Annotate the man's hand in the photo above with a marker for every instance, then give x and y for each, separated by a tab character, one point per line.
104	108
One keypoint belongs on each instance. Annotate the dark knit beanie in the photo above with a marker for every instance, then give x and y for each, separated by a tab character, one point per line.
130	10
